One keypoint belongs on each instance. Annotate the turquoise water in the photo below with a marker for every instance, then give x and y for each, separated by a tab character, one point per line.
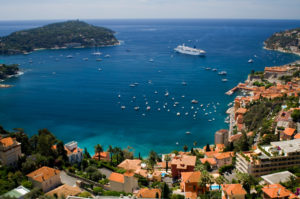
76	101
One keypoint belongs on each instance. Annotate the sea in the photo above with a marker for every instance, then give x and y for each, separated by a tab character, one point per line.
80	98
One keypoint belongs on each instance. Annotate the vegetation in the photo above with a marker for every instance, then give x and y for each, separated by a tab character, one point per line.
8	70
284	40
63	34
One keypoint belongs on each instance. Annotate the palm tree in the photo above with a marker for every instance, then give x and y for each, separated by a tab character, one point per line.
98	150
206	178
167	159
111	151
185	148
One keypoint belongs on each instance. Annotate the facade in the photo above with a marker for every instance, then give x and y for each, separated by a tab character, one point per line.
10	151
123	182
184	163
190	183
45	178
130	165
75	154
233	191
221	137
267	159
64	190
224	158
149	193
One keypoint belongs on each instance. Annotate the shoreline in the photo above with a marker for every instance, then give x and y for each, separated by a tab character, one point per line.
282	51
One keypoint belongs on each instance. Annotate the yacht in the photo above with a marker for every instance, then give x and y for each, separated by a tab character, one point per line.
189	51
137	108
194	101
224	80
222	73
250	61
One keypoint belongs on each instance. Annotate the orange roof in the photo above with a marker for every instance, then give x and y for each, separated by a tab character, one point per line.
65	190
191	195
163	164
184	161
148	193
277	191
297	136
43	174
128	174
249	134
220	147
234	189
211	161
289	131
141	172
190	177
130	164
6	142
103	155
210	154
223	155
69	152
241	111
116	177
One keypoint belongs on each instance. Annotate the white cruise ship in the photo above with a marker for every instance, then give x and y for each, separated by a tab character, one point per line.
190	51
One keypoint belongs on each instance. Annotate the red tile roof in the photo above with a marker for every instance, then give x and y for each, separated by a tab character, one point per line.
65	190
131	165
190	177
289	131
43	174
234	189
116	177
6	142
277	191
184	161
149	193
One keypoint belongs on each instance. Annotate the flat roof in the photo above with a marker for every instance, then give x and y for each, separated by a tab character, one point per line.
276	178
288	146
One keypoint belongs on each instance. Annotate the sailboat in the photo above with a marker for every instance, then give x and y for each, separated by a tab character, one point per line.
96	52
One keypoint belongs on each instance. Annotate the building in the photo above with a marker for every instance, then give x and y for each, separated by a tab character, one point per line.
130	165
17	193
233	191
221	137
105	156
270	158
224	158
276	178
123	182
45	178
75	154
184	163
277	191
190	183
211	161
149	193
287	134
64	191
10	151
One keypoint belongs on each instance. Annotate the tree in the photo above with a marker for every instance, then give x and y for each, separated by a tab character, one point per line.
98	150
185	148
206	178
60	148
45	141
153	157
195	143
86	153
220	180
111	152
165	191
296	115
167	159
246	180
207	148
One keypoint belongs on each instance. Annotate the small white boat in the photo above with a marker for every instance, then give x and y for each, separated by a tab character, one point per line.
123	107
136	108
194	101
184	83
250	61
156	101
151	60
167	94
98	59
99	69
222	73
155	92
183	96
107	56
158	109
186	113
177	143
224	80
69	56
132	85
214	69
188	133
148	108
85	59
119	96
178	113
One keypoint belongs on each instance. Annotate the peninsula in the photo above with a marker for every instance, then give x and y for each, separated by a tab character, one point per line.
287	41
69	34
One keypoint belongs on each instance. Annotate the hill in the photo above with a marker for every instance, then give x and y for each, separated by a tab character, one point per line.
8	70
287	41
67	34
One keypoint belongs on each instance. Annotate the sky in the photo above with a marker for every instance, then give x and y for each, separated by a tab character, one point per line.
140	9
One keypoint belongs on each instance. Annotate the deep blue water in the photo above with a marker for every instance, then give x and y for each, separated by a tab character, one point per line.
76	101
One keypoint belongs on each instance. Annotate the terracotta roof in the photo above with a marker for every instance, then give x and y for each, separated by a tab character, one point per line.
184	161
43	173
65	190
220	147
141	172
130	164
277	191
191	195
249	134
103	155
163	164
289	131
223	155
241	111
210	154
234	189
69	152
211	161
116	177
128	174
148	193
6	142
297	136
222	131
190	177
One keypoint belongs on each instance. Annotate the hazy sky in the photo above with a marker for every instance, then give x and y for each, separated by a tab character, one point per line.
99	9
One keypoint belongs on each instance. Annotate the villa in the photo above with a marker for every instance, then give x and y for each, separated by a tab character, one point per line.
123	182
74	153
184	163
64	190
10	151
149	193
233	191
277	191
45	178
130	165
190	183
